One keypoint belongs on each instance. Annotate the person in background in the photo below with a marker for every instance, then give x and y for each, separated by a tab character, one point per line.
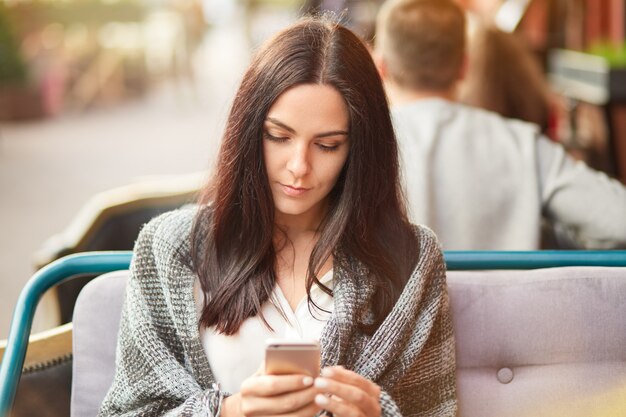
302	233
479	180
504	77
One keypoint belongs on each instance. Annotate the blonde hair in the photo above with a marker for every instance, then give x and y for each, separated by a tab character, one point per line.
422	42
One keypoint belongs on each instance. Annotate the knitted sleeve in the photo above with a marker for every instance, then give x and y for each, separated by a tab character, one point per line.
388	406
422	380
155	364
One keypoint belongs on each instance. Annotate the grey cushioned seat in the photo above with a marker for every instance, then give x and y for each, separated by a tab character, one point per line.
546	342
96	323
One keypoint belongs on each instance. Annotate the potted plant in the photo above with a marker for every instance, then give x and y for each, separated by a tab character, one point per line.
21	96
13	71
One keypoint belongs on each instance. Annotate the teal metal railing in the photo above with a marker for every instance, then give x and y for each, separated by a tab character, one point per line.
477	260
101	262
21	323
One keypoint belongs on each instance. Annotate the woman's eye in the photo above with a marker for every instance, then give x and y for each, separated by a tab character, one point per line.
327	148
275	138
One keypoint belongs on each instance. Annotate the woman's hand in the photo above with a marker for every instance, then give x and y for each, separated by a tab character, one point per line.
273	395
351	395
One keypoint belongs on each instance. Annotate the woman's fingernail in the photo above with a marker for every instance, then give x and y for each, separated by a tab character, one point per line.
321	383
326	372
321	399
307	380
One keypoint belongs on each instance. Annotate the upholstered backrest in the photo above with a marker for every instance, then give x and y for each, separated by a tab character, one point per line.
96	323
548	342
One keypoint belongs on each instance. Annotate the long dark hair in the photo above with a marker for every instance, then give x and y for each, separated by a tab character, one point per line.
517	88
232	237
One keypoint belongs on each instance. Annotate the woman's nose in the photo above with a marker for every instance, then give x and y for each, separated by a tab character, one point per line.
298	163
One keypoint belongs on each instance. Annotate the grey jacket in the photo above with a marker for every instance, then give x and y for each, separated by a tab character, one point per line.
162	368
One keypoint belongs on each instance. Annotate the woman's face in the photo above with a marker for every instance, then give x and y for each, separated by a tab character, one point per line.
305	146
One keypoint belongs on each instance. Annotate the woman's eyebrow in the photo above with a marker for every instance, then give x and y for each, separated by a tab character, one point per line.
292	130
332	133
281	124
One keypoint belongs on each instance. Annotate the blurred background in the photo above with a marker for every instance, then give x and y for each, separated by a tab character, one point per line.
98	96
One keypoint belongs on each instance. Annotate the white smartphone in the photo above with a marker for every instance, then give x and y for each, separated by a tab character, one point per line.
286	356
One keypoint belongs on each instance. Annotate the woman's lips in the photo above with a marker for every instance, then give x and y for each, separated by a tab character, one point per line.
294	191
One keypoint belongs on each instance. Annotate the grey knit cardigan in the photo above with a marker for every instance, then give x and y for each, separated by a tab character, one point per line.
162	368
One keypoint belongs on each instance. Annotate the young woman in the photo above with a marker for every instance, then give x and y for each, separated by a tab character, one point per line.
302	233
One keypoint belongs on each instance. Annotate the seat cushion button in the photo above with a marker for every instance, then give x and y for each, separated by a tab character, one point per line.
505	375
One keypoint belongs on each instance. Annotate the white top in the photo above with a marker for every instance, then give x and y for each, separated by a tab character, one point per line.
235	358
483	182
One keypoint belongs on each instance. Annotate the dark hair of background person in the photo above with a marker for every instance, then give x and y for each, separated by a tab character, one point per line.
422	43
505	77
232	237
